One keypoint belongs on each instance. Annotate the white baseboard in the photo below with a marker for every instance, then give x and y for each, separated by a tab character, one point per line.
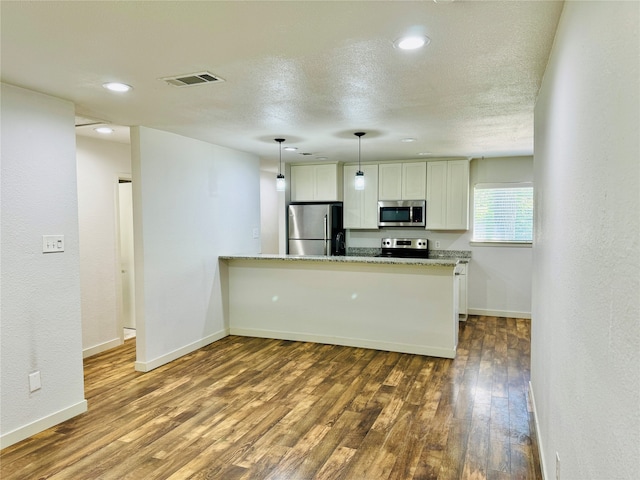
498	313
346	342
38	426
180	352
102	347
539	440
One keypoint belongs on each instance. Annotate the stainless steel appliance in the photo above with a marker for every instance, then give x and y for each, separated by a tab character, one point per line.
316	229
405	247
402	213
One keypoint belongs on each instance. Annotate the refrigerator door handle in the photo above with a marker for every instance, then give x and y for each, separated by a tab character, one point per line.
326	234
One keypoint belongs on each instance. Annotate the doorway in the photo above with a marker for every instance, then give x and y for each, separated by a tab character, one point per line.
127	270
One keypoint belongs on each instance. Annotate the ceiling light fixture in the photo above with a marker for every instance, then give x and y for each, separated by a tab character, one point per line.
280	181
104	130
117	87
290	149
412	42
408	140
359	180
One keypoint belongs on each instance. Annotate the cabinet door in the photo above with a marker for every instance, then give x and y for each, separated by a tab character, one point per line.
326	182
462	297
302	183
352	209
361	206
390	181
458	195
436	195
369	218
414	181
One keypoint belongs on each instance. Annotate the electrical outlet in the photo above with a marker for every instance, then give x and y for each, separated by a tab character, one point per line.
557	466
34	381
437	243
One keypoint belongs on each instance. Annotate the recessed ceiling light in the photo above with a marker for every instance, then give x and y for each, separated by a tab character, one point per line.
424	153
408	140
105	130
412	42
117	87
321	158
290	149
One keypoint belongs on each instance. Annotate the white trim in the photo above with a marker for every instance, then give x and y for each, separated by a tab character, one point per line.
101	347
484	185
498	313
38	426
346	342
501	244
538	438
171	356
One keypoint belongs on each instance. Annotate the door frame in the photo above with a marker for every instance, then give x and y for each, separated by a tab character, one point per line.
126	177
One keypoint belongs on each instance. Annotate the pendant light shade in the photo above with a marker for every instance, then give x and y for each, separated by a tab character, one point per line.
280	181
359	180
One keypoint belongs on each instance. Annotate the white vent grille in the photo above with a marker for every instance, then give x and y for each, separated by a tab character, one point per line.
191	79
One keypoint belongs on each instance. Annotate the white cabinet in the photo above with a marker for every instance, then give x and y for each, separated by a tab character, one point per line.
414	181
390	181
315	183
402	181
461	270
361	206
448	195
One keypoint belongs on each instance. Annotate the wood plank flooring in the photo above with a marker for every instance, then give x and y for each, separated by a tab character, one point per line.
248	408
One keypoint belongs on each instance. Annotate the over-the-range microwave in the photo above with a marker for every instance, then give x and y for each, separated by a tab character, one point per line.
402	213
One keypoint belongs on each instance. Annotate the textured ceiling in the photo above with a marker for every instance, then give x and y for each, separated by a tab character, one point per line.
310	72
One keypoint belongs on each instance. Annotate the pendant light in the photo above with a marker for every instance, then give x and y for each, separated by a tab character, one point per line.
280	183
359	180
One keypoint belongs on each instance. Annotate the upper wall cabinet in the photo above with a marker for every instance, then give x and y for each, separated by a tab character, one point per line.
316	183
448	195
361	206
402	181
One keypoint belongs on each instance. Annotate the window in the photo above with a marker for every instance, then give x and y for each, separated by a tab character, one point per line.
503	212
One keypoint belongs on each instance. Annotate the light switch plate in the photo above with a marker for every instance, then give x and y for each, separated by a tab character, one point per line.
34	381
52	243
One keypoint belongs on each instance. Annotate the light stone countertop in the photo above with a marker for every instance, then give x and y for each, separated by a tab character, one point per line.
427	262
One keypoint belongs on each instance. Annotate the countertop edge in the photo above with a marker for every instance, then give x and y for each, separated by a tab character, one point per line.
426	262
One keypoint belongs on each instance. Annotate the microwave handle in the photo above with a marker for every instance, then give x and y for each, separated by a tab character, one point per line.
326	234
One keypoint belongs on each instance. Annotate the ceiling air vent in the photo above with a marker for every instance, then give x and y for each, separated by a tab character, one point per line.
191	79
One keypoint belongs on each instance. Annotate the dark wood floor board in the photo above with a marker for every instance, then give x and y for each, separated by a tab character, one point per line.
251	408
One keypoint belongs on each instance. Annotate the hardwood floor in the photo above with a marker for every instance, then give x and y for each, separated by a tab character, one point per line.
248	408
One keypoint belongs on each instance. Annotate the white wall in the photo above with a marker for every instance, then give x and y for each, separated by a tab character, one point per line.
268	212
192	202
499	277
585	350
40	292
100	162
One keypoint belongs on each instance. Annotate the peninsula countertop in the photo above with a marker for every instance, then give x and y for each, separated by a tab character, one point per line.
425	262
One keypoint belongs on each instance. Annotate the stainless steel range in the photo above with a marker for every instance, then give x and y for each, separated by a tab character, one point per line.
405	247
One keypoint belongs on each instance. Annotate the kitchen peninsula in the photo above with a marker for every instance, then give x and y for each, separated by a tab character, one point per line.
393	304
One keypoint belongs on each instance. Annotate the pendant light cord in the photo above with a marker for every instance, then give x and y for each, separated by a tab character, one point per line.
359	135
280	140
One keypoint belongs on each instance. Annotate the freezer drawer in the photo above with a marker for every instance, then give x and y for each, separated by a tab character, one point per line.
309	247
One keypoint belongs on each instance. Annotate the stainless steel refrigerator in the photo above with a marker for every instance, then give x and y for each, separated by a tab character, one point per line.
316	229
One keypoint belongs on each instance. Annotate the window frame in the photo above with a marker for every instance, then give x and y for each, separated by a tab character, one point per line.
493	243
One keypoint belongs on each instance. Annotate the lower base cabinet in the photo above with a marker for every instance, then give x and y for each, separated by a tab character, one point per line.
462	292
